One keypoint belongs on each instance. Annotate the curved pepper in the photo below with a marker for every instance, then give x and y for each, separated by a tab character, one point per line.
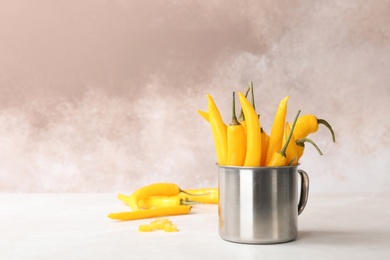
219	130
279	158
308	124
253	138
156	189
205	195
276	136
236	140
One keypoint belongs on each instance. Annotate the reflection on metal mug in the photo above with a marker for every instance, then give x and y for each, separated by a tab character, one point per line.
259	205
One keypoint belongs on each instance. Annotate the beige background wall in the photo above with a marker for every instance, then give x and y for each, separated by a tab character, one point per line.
101	96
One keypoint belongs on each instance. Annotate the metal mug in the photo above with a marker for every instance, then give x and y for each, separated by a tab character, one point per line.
259	205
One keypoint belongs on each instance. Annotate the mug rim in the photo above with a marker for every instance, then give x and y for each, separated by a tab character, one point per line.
257	167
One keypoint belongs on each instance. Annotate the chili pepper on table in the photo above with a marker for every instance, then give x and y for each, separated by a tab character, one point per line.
151	213
276	136
205	195
279	158
219	131
253	138
301	146
236	140
308	124
156	189
158	201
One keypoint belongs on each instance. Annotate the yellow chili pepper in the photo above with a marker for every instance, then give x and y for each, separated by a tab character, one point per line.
308	124
253	138
205	115
206	195
158	202
263	135
241	117
276	137
291	151
279	158
156	189
163	201
151	213
219	130
236	140
301	146
264	145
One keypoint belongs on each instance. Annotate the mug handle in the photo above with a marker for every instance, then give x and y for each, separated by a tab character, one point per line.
304	191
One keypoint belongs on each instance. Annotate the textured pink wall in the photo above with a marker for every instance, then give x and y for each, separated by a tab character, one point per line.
101	96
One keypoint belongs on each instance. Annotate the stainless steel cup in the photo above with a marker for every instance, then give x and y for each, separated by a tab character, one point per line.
259	205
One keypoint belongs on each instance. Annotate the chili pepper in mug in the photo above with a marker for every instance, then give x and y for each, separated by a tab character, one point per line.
301	146
156	189
236	140
276	136
219	131
264	146
263	135
205	115
241	117
279	158
292	149
151	213
308	124
253	138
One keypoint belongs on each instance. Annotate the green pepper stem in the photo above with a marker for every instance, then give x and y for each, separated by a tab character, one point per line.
301	142
283	151
188	202
234	118
325	123
252	95
291	162
191	194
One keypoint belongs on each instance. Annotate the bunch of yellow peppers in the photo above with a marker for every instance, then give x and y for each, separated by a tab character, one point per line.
245	143
163	199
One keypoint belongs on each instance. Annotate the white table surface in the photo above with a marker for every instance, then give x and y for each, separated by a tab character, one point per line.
75	226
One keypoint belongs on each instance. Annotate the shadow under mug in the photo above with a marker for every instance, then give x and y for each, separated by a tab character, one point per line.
259	205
